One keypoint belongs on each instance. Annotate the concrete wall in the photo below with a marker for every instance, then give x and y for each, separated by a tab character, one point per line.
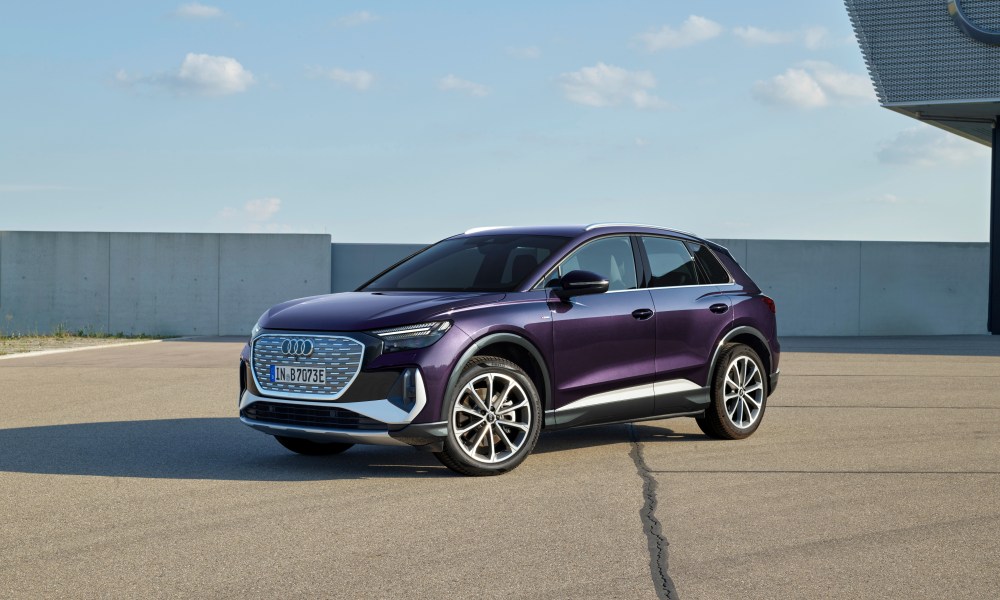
354	264
212	284
156	283
871	288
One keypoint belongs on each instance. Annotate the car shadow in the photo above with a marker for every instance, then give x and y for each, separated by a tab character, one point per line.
206	448
600	435
225	449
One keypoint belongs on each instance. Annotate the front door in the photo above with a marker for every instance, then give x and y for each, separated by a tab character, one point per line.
604	344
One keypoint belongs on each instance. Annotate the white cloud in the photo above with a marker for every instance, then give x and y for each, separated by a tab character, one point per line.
360	80
607	85
196	10
812	38
453	83
756	36
814	84
259	211
692	31
362	17
212	75
926	146
198	74
815	38
257	216
889	199
262	209
525	52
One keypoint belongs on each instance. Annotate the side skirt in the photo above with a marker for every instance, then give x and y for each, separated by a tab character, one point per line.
685	401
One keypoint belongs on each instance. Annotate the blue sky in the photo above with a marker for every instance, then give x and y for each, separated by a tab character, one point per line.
410	121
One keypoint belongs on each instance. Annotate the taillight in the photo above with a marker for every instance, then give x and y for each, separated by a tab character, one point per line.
770	304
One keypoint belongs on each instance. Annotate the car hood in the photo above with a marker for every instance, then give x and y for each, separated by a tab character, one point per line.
359	311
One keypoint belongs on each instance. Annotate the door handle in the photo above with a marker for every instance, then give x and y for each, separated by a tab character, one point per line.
642	314
719	308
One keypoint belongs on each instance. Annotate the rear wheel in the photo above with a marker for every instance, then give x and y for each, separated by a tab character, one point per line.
739	395
494	418
311	448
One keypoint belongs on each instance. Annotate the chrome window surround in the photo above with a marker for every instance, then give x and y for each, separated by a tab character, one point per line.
303	395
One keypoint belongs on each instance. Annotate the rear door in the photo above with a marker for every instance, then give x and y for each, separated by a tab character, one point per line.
604	344
691	314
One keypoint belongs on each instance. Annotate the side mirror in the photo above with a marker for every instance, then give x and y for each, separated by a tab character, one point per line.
580	283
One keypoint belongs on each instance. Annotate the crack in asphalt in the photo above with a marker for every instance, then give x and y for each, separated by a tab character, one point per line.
650	524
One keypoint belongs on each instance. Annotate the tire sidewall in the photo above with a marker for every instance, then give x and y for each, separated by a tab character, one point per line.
718	390
471	372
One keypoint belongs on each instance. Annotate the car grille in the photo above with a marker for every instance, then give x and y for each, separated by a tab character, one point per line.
310	416
341	356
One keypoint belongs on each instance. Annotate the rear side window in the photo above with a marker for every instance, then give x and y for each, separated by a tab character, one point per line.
670	263
710	265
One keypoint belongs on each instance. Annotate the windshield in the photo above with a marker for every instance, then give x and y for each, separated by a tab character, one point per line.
491	263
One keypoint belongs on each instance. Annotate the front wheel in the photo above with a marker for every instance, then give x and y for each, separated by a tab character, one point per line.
739	395
311	448
494	418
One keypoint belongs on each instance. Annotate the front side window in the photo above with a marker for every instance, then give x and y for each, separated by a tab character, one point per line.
609	257
670	263
486	263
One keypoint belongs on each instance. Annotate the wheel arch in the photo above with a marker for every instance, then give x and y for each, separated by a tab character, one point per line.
749	336
515	348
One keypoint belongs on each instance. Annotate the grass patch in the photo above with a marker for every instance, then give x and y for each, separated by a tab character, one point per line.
16	343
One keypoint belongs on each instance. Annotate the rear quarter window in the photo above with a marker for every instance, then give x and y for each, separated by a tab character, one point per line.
709	264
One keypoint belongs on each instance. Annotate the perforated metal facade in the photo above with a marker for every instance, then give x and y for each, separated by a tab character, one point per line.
923	64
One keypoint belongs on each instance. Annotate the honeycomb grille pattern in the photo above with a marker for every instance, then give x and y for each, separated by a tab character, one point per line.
916	53
340	356
309	416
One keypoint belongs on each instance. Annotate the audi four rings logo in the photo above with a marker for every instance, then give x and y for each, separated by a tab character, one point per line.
975	32
296	347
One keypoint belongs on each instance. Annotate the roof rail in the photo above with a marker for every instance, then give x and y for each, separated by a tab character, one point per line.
600	225
480	229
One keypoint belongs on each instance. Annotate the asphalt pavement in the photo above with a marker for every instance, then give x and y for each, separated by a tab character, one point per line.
124	472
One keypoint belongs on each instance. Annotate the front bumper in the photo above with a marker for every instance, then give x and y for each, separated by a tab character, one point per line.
380	422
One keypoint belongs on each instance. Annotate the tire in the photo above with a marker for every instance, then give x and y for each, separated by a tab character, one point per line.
485	437
311	448
739	395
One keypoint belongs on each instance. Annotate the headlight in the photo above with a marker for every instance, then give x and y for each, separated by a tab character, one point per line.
256	327
410	337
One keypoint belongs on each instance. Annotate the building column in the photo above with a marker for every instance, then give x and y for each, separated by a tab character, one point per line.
993	316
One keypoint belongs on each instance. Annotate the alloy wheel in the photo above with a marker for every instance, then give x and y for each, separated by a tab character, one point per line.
743	392
491	418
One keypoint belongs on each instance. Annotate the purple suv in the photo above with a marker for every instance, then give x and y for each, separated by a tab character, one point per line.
472	346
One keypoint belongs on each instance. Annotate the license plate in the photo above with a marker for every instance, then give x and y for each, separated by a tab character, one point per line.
305	375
